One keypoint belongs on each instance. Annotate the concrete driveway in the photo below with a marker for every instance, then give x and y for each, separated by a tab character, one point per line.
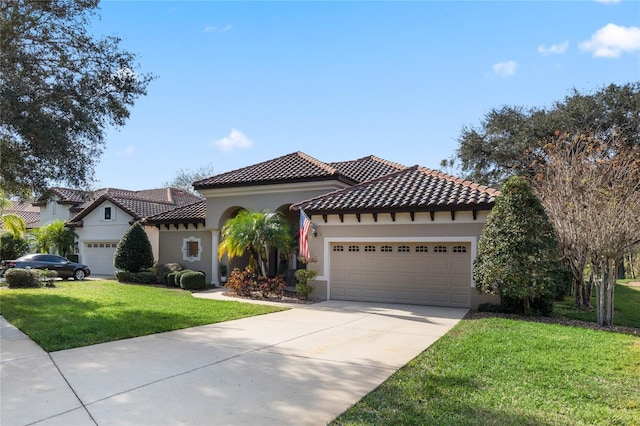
303	366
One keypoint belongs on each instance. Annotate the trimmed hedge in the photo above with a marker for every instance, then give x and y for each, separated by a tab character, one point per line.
165	269
171	279
23	278
143	277
193	280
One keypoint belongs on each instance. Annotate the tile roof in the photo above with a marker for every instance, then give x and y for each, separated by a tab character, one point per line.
367	168
138	204
27	211
192	213
295	167
64	196
411	189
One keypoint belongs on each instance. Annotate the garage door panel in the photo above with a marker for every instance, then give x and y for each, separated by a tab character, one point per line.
425	273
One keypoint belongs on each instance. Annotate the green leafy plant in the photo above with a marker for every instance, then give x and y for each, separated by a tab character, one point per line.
303	276
142	277
134	253
12	246
23	278
193	280
246	283
518	252
171	279
256	233
164	270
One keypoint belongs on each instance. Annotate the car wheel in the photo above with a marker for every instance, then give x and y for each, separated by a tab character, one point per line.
78	275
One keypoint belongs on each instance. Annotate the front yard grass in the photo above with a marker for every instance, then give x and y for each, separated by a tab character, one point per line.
75	314
626	306
496	371
499	371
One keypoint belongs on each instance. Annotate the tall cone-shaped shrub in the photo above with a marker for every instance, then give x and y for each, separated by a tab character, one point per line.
518	251
134	253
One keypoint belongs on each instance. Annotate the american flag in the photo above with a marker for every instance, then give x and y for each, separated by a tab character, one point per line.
305	227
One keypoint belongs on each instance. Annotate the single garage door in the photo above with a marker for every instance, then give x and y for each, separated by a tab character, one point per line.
98	256
418	273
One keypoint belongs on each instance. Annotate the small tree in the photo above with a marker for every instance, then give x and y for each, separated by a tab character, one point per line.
134	253
12	247
61	237
255	232
518	251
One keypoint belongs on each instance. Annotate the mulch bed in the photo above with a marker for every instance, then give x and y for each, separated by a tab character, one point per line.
287	297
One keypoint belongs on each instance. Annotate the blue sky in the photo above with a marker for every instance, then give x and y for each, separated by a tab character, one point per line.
243	82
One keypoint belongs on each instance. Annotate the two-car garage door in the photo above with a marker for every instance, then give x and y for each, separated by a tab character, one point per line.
420	273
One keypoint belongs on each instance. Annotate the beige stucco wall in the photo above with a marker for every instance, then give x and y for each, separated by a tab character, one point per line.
421	228
171	241
223	202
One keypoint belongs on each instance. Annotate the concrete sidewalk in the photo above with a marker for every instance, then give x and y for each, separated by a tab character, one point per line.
303	366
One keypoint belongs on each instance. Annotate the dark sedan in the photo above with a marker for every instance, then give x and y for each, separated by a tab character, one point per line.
65	268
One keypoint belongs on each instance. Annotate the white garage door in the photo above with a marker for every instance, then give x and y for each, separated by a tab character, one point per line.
418	273
98	256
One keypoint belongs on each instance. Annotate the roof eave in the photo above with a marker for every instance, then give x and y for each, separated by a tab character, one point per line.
336	177
407	209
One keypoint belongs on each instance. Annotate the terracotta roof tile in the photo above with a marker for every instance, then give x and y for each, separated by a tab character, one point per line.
411	189
295	167
139	204
367	168
192	213
27	211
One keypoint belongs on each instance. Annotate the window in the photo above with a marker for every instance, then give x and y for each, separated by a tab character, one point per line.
422	249
386	249
370	248
404	249
459	249
338	248
440	249
107	213
354	248
191	249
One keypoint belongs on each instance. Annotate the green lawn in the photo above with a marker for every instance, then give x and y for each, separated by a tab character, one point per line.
627	306
84	313
498	371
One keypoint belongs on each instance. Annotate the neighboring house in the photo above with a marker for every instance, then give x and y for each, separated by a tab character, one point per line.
382	232
100	218
26	210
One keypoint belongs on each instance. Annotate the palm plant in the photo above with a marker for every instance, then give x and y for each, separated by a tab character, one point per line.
61	237
39	239
258	233
14	224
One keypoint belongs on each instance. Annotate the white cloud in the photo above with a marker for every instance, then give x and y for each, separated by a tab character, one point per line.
235	140
612	40
554	49
214	29
127	152
505	69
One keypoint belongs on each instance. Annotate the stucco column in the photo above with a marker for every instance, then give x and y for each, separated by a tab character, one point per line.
215	241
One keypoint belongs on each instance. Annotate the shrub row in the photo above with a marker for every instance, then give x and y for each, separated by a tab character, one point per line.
187	279
245	283
143	277
29	278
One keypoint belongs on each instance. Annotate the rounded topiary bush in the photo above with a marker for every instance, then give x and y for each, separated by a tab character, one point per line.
171	279
165	269
179	274
193	280
23	278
